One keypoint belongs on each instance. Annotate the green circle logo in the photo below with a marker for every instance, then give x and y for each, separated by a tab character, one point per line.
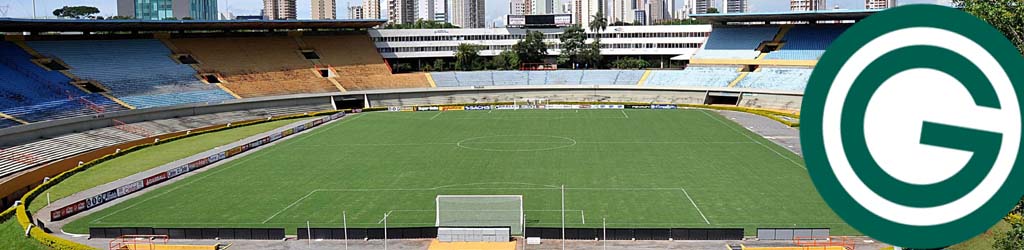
911	126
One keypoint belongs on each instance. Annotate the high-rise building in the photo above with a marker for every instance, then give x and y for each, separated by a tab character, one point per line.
440	10
401	11
656	11
468	13
166	9
371	9
620	9
583	11
323	10
279	9
640	17
355	12
700	6
424	9
734	6
807	5
540	7
518	7
879	4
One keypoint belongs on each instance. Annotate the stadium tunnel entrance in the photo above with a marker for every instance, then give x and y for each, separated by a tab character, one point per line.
349	102
722	98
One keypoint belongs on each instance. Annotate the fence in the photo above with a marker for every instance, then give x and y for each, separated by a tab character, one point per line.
368	233
191	233
790	233
542	232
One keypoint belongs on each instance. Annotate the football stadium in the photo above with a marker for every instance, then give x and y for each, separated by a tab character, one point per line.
292	134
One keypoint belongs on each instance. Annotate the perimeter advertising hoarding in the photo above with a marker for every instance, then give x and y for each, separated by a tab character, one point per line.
94	201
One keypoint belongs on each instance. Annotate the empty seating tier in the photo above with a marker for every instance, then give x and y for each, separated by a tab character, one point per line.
140	72
558	77
792	79
804	42
32	93
736	43
360	66
256	66
694	76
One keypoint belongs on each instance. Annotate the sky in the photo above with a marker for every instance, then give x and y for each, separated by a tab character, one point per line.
496	9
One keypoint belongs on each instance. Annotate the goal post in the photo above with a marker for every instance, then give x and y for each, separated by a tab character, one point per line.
481	211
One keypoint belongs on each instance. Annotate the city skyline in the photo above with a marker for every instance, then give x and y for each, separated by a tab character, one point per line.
495	9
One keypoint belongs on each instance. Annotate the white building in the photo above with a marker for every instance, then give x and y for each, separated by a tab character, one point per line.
371	9
664	40
401	11
518	7
583	11
323	10
355	12
807	5
440	10
468	13
879	4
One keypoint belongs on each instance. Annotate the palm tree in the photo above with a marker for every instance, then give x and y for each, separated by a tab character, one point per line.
599	22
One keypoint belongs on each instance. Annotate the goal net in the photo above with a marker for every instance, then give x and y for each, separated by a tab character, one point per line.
481	211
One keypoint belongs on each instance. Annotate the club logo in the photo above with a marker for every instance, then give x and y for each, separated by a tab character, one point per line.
911	126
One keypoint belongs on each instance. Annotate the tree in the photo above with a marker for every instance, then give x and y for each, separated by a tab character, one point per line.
573	40
466	56
532	48
599	22
630	63
439	65
121	18
76	12
591	55
187	18
1005	15
712	10
507	60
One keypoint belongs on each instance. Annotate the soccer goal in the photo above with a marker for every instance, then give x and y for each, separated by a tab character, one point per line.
481	211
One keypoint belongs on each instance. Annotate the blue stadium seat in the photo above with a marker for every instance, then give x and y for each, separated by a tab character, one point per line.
140	72
508	78
791	79
807	42
444	79
33	94
5	123
564	77
693	76
474	78
629	77
736	42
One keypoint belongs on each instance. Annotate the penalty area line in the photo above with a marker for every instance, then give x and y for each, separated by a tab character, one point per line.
695	206
289	206
435	116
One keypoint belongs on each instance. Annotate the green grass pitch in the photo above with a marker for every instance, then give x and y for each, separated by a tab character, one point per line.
634	168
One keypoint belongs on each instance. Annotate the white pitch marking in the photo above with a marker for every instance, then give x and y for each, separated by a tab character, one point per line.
290	205
435	116
755	141
584	217
624	113
695	206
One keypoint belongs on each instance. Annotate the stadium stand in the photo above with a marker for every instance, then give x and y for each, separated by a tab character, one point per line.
256	66
361	67
735	42
558	77
32	93
139	72
6	123
794	79
693	76
807	42
59	147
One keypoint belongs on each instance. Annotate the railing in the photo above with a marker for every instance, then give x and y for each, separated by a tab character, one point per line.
134	241
131	128
818	242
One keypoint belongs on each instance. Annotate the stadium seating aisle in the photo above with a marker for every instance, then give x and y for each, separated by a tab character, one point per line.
736	42
356	60
694	76
132	70
793	79
804	42
32	93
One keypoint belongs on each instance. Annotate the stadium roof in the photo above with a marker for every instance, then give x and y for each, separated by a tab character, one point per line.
69	25
801	16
